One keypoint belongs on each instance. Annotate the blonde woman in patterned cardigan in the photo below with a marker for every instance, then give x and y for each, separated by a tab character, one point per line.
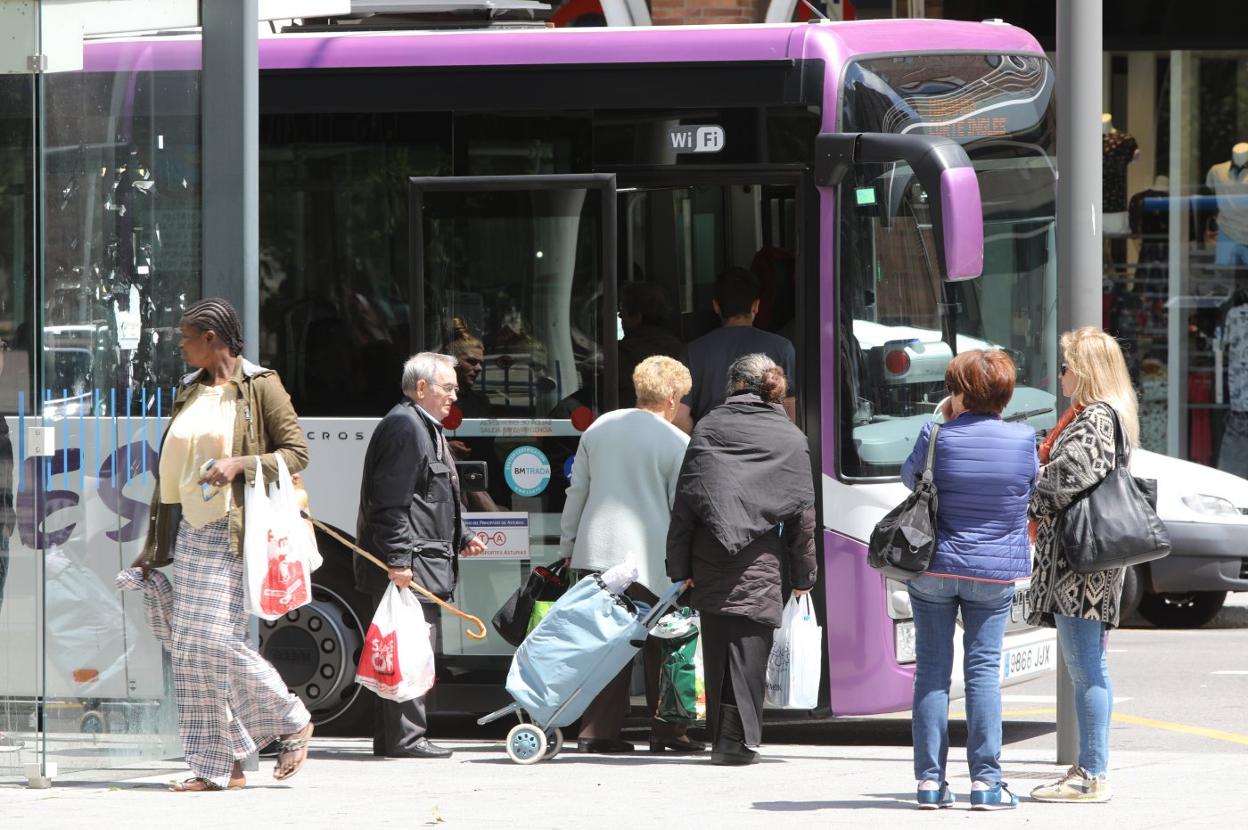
1076	457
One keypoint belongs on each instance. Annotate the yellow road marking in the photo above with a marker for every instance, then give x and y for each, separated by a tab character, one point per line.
1136	720
1201	731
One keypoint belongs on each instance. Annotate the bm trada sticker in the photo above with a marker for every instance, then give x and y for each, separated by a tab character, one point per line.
527	471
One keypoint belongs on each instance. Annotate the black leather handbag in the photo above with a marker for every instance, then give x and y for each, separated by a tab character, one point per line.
902	544
1115	523
512	620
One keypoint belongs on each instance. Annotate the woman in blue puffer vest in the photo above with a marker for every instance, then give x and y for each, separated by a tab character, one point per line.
984	471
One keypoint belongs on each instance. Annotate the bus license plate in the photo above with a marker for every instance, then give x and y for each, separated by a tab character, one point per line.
1027	660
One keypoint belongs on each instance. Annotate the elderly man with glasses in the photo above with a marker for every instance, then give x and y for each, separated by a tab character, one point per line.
410	518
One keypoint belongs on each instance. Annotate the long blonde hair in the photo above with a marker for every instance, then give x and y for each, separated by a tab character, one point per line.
1101	375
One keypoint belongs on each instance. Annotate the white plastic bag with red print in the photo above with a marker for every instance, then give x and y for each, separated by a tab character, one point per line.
279	549
397	659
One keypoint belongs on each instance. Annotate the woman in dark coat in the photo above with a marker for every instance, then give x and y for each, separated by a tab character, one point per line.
743	527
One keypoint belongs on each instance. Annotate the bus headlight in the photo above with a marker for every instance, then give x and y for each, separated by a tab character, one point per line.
1210	505
903	641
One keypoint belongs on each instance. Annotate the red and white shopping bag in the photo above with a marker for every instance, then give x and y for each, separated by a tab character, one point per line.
279	551
397	660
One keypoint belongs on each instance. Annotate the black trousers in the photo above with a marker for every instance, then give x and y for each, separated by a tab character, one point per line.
734	657
397	726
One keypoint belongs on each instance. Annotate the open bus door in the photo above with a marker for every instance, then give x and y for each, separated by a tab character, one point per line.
516	275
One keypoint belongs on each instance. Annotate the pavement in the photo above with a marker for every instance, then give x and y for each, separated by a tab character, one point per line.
1179	758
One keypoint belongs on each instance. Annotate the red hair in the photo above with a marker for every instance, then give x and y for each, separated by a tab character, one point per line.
984	379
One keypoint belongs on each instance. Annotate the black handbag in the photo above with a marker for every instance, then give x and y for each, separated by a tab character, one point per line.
902	544
512	620
1115	523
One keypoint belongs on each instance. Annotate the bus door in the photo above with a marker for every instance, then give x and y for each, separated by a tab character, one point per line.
675	239
515	276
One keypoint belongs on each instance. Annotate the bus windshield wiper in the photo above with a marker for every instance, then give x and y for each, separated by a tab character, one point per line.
1027	414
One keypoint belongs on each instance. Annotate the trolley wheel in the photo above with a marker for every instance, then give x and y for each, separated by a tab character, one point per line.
554	743
526	744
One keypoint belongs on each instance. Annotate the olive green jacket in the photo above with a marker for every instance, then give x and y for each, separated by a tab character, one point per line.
265	425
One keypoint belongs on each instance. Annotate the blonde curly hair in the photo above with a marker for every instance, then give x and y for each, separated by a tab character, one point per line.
657	378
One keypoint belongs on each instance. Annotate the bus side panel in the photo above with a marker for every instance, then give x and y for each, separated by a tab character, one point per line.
863	675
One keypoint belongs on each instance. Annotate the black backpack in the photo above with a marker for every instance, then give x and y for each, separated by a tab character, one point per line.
902	543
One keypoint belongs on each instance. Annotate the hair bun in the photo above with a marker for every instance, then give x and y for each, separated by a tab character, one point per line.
772	386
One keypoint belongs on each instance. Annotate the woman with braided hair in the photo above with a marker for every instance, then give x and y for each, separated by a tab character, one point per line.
226	415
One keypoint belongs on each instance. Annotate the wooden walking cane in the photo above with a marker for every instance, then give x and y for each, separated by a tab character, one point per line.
415	586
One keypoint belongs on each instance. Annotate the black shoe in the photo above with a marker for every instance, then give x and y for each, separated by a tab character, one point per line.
422	749
730	749
683	744
603	746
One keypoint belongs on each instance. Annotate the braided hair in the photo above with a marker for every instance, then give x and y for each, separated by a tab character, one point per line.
218	316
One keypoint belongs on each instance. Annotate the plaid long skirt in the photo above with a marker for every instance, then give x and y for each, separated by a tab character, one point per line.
230	699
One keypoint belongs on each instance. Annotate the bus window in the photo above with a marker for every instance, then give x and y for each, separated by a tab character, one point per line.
516	279
900	324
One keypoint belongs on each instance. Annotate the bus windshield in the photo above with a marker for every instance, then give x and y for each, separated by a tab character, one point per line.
900	323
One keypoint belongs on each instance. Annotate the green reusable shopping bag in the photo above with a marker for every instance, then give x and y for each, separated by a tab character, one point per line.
541	608
682	693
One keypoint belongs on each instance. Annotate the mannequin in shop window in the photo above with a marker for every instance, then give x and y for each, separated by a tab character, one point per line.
1233	451
1118	149
1229	182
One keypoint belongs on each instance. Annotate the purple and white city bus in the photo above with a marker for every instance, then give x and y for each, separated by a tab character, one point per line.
891	183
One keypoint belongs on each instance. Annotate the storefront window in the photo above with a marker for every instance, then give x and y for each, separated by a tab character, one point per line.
1176	252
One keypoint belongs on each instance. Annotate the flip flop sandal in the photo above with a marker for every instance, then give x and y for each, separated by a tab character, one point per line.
204	785
290	745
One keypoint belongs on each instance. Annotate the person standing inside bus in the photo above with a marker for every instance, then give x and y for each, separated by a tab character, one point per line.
984	470
410	517
618	506
743	526
643	319
708	358
1076	456
226	414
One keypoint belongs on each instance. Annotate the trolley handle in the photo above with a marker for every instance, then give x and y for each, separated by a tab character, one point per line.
666	603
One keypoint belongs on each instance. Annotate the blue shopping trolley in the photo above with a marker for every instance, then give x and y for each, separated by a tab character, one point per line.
589	635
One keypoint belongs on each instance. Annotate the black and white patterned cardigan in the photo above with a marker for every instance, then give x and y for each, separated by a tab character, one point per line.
1081	457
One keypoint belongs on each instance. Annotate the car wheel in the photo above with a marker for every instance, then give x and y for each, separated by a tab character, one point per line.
316	648
1189	610
1132	592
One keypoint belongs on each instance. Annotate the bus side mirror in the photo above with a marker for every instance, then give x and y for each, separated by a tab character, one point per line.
944	171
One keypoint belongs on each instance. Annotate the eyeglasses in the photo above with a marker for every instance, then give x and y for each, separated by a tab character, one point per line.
471	361
448	388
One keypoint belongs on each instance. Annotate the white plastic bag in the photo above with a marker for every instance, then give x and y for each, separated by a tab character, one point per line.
397	659
796	661
279	551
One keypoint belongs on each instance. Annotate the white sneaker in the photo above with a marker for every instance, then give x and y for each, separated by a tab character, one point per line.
1076	786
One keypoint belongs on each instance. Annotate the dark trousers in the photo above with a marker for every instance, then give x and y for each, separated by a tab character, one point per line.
397	726
604	717
734	658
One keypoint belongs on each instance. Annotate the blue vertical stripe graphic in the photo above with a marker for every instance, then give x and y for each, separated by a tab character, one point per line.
112	454
129	403
47	462
95	407
82	450
21	442
65	436
144	451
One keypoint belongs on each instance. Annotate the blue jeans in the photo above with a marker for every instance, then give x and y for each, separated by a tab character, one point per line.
985	608
1229	252
1083	650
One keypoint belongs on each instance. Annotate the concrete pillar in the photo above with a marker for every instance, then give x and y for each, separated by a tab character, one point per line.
1079	58
231	160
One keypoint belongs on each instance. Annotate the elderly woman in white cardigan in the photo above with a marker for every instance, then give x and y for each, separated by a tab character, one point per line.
618	506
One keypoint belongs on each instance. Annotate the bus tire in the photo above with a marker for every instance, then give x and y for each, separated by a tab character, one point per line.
316	648
1187	610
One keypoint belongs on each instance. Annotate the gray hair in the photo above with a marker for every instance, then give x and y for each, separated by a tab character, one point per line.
424	366
746	373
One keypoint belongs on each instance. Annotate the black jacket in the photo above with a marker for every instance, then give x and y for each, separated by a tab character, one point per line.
409	505
743	521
